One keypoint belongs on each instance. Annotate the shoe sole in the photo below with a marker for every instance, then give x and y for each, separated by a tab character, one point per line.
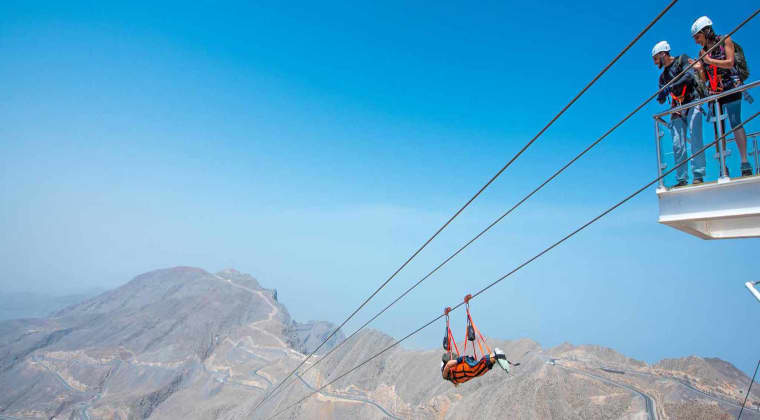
503	364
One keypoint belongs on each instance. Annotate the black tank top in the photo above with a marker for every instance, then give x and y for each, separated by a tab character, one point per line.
721	80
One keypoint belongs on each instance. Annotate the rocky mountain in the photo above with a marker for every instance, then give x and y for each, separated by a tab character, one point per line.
565	382
183	343
153	342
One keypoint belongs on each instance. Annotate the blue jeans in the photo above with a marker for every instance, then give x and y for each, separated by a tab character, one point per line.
680	127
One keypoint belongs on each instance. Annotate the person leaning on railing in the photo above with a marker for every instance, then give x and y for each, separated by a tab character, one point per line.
724	68
683	91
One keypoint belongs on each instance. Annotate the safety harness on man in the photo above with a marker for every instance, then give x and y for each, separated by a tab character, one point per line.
679	99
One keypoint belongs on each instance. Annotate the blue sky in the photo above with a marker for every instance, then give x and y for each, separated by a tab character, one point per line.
317	145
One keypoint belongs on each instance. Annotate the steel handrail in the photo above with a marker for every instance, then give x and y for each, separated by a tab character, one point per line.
721	146
712	98
730	139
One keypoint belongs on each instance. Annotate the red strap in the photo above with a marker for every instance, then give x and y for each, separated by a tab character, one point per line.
482	353
679	99
714	79
450	335
477	333
464	351
482	340
478	336
469	322
452	341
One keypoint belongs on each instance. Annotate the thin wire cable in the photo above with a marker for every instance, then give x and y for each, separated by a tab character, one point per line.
609	210
750	389
519	203
554	245
490	181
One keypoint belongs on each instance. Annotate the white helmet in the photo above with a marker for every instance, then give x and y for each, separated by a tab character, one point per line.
700	24
660	47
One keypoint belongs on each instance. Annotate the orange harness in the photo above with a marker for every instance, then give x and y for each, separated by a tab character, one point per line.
463	372
679	99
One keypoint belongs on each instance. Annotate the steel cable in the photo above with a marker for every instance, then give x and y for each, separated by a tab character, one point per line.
524	199
748	391
530	260
490	181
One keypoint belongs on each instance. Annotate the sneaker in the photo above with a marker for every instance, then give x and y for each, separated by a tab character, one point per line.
746	169
501	359
697	181
680	183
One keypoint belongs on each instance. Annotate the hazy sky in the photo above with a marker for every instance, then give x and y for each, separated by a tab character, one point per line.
317	145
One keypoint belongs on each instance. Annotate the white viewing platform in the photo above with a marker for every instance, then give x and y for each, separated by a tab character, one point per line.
729	209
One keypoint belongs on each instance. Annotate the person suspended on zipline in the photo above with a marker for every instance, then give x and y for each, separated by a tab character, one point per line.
464	368
459	369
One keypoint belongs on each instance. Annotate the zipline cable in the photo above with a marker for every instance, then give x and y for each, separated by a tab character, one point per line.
750	389
554	245
524	199
490	181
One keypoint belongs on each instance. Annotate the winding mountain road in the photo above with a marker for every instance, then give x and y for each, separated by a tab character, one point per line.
755	413
347	398
271	314
649	402
81	408
749	410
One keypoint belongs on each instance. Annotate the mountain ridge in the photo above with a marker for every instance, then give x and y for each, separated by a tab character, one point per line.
185	343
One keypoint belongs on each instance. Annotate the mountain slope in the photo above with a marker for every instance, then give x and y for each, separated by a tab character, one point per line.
182	343
128	351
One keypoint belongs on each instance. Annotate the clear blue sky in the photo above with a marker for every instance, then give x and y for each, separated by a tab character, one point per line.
316	145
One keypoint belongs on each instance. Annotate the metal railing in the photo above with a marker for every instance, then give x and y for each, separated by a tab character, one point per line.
722	153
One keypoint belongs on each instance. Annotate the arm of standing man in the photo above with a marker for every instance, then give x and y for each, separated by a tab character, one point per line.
698	67
662	96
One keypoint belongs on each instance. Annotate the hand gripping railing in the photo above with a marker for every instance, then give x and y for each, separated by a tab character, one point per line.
712	98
